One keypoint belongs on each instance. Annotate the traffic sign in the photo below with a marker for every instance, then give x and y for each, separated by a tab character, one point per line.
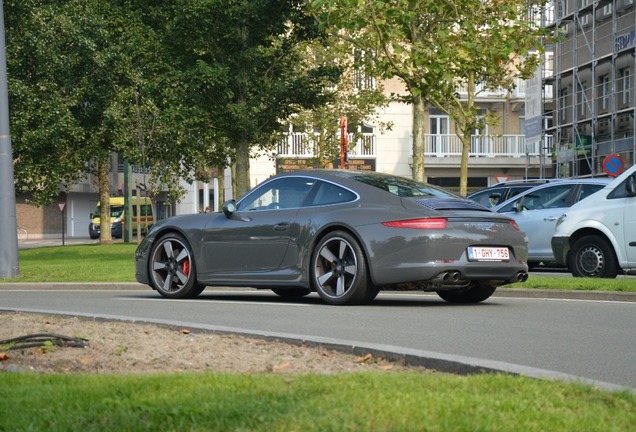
613	165
62	206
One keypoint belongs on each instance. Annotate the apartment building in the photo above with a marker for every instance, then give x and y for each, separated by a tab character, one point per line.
589	72
498	153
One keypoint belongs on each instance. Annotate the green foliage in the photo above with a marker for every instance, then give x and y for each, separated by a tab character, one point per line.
383	401
435	46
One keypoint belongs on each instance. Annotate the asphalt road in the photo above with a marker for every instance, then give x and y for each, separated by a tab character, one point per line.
591	340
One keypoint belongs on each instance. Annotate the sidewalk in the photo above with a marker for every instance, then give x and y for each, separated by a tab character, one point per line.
28	244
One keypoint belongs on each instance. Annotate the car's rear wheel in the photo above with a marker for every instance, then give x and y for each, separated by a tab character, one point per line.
339	270
474	294
292	292
592	256
172	268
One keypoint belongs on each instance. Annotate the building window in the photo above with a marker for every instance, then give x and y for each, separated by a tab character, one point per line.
607	10
626	83
362	81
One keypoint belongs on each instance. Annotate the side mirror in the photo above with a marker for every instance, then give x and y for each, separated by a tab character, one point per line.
630	186
229	207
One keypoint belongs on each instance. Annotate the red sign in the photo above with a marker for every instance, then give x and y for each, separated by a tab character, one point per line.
613	165
62	206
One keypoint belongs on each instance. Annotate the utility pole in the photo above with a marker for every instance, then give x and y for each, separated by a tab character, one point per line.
9	266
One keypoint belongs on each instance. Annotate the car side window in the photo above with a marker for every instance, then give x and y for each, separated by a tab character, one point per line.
588	189
490	197
282	193
549	197
329	193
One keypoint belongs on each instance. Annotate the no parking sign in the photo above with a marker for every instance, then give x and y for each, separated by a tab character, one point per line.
613	165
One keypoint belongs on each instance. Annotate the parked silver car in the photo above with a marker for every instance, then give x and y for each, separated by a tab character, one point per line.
496	194
537	210
344	234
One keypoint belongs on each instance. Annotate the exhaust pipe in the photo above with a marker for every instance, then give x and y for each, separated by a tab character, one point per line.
451	276
522	277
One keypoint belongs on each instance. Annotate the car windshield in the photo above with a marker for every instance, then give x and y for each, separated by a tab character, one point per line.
115	211
404	187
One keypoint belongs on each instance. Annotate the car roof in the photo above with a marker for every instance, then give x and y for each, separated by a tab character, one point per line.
586	180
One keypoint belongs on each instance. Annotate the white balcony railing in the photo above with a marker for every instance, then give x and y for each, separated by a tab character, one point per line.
300	145
483	146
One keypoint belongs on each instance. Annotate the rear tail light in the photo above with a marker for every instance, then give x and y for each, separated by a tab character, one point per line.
421	223
514	225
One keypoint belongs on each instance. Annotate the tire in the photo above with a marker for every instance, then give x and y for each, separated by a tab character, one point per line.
172	269
592	256
475	294
339	271
291	292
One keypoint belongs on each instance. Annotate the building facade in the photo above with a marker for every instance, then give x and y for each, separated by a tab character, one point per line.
589	73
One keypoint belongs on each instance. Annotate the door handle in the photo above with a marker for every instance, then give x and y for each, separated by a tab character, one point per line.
550	218
282	226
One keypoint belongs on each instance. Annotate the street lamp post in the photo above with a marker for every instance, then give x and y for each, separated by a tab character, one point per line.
8	226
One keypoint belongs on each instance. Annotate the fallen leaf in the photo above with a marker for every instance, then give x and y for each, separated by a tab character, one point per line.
4	357
386	367
87	360
184	331
364	358
281	366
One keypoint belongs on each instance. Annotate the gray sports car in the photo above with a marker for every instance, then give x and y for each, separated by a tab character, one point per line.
344	234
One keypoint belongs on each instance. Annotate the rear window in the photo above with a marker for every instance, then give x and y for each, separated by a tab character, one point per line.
404	187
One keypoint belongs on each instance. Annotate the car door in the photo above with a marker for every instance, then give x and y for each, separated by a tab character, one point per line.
540	210
256	237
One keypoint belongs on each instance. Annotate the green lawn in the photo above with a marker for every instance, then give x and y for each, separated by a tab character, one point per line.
116	263
344	402
78	263
372	401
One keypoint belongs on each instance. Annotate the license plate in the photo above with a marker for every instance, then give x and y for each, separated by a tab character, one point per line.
488	254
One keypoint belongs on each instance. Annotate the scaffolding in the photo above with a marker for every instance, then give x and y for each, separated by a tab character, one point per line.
591	74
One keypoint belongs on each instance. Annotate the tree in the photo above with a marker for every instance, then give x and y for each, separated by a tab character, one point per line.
88	80
432	46
356	95
45	133
492	46
239	71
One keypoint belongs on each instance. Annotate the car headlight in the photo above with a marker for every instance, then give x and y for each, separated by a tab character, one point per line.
561	219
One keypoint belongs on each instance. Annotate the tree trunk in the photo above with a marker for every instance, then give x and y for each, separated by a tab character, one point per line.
241	169
463	171
103	184
419	124
467	130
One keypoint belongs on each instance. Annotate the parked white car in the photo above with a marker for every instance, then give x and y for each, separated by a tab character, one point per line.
537	210
597	236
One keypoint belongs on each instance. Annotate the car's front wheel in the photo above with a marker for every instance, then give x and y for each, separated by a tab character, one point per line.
339	270
592	256
172	268
474	294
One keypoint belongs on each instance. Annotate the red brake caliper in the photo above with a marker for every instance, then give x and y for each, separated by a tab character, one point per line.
186	267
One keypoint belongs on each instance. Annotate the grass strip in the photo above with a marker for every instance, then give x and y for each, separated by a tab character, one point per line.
116	263
78	263
344	402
